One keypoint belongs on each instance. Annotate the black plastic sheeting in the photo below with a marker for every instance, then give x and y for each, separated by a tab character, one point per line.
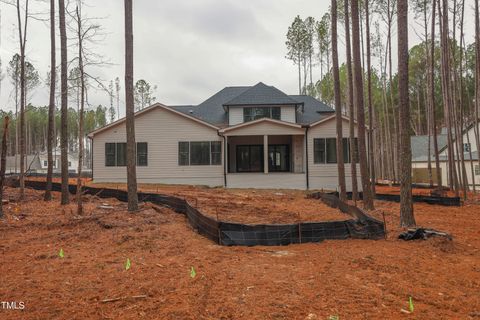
230	234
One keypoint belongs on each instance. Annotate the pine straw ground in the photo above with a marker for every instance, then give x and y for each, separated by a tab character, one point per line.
351	279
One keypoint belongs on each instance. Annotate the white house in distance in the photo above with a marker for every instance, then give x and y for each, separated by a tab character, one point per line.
241	137
38	163
420	158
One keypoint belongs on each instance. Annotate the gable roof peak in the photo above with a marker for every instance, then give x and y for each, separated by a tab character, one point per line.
262	94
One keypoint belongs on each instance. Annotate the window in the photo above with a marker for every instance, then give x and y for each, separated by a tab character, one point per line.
477	170
216	151
142	154
184	153
199	153
319	150
254	113
346	150
331	150
325	150
45	163
69	163
121	154
110	155
116	154
466	147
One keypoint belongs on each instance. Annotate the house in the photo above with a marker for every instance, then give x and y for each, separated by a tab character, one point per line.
420	158
241	137
38	163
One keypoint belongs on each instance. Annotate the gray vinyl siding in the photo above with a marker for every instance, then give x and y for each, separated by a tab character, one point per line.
276	180
162	130
324	175
235	117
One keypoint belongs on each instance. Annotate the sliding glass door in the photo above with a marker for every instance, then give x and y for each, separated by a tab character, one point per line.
250	158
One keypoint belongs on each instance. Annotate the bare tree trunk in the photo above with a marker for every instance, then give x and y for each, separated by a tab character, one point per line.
64	108
477	80
299	75
395	135
51	105
386	123
443	19
428	102
432	97
22	39
371	161
338	105
407	218
351	113
3	162
131	165
82	107
358	93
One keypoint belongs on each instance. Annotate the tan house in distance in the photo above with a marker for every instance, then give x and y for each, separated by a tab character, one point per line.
241	137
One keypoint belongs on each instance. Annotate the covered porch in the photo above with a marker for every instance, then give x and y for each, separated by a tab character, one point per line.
265	154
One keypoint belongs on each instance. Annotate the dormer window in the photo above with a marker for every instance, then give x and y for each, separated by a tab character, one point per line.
254	113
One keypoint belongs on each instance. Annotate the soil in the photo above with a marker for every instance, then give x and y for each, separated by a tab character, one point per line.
351	279
249	206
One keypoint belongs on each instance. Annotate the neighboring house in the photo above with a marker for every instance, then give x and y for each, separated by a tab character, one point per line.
38	163
420	158
241	137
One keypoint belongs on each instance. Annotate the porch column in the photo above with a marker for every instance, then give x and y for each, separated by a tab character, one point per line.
265	154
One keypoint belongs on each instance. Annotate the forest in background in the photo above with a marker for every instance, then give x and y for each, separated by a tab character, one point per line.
442	76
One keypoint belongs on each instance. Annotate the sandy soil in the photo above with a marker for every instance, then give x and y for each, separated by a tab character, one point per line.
352	279
249	206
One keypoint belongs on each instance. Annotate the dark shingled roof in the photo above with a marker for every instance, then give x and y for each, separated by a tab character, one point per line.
313	110
420	146
261	94
213	111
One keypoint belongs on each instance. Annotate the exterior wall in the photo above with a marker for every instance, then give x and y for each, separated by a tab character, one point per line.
298	143
467	135
73	167
443	169
325	175
276	180
162	130
235	115
471	136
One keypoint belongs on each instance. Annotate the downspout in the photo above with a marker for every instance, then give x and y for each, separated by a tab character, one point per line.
306	155
224	159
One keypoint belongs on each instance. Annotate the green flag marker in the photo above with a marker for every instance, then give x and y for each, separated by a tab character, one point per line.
128	264
61	254
410	304
193	274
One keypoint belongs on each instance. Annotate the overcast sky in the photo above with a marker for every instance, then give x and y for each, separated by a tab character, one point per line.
189	49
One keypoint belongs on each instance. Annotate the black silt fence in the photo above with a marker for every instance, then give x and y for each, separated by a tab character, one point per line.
230	234
436	200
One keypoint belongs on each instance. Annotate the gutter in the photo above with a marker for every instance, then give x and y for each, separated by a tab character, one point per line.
306	155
